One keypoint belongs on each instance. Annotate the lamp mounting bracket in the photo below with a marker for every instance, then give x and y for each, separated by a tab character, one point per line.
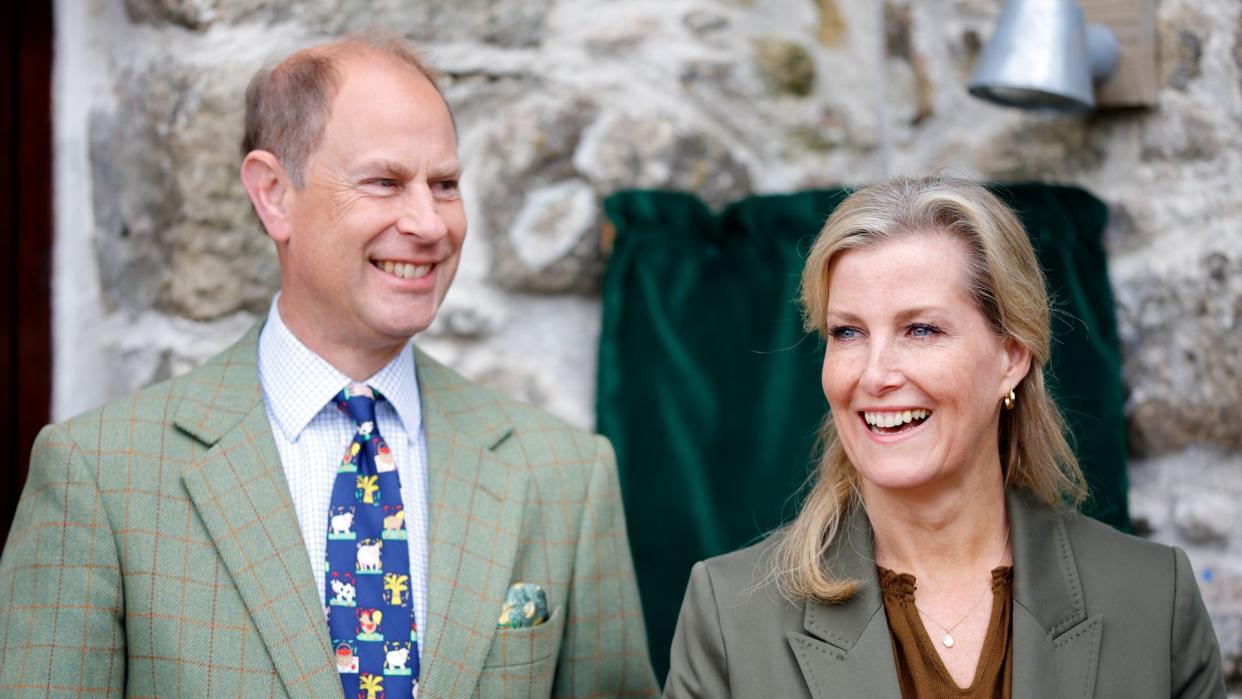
1136	82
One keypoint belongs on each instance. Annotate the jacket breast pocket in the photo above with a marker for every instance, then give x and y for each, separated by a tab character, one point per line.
516	647
522	662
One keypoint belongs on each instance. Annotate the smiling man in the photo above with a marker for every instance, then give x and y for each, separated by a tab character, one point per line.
322	510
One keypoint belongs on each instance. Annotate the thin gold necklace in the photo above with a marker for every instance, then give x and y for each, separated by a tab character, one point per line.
948	639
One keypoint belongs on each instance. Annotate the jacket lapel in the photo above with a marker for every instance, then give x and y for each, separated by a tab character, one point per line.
845	650
1056	648
238	488
476	503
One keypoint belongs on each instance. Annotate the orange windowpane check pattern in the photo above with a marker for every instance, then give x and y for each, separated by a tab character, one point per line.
170	561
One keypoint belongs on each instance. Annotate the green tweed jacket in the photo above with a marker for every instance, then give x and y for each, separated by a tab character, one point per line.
1096	613
156	552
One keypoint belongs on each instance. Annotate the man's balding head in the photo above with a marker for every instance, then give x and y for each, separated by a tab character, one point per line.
288	105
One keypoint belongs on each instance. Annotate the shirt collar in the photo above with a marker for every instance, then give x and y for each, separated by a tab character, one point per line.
297	383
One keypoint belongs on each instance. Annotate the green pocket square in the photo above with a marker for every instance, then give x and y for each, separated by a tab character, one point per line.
526	605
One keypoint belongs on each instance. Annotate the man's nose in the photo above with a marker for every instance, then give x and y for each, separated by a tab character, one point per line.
420	215
882	372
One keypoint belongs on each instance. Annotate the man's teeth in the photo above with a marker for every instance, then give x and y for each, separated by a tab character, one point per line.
893	419
404	269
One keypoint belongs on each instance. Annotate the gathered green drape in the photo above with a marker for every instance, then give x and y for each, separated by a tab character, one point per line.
710	390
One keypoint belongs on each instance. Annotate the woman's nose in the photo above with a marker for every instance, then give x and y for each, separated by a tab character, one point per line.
882	372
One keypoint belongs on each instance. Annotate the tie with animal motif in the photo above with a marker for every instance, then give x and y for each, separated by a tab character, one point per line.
367	567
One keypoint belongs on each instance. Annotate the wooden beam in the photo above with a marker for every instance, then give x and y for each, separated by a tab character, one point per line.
25	266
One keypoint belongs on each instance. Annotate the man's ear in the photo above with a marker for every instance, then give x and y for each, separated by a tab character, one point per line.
271	192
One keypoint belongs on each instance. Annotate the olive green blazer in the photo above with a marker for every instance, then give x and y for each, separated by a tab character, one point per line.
155	552
1096	613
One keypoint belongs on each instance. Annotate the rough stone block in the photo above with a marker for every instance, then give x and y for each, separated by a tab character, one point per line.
511	23
704	22
537	216
1205	518
133	209
1037	148
174	228
552	221
654	151
1129	226
1184	136
501	22
1181	47
908	68
833	29
785	66
191	14
1179	334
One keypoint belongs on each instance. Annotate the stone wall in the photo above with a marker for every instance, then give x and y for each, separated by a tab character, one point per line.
160	262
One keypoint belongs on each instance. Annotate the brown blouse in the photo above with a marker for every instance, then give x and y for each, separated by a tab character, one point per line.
920	672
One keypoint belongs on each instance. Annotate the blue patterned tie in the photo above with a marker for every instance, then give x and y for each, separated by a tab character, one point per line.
367	569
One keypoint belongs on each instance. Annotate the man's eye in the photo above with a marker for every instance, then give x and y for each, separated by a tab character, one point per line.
445	188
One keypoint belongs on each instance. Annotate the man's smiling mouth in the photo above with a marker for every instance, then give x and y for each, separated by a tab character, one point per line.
402	270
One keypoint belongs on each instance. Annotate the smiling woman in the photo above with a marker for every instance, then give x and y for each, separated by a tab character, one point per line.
904	335
944	498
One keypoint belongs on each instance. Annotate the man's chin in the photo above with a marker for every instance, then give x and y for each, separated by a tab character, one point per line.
403	327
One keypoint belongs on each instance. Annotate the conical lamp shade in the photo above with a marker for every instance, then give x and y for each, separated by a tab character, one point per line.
1037	58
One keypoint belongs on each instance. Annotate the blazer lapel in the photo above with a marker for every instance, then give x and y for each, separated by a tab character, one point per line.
476	504
1056	648
239	490
845	650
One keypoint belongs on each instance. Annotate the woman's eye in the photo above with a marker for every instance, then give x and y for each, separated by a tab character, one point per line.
923	330
844	333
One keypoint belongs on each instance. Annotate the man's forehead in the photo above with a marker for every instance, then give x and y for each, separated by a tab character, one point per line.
411	125
374	65
348	59
369	83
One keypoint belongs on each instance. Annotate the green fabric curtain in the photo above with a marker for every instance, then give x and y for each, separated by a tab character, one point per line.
710	391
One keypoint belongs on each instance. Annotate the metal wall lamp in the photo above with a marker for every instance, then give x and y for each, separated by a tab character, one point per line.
1060	56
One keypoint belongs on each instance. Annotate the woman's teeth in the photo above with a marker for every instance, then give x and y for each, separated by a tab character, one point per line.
403	270
887	421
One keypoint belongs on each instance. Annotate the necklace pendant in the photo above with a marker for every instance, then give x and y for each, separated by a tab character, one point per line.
947	640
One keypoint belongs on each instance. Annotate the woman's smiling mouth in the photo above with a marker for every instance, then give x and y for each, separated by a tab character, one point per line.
894	421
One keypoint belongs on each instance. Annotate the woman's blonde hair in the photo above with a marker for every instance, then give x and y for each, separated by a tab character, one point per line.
1008	288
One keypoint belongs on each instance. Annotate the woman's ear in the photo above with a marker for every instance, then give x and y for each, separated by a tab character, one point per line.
1017	363
270	189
